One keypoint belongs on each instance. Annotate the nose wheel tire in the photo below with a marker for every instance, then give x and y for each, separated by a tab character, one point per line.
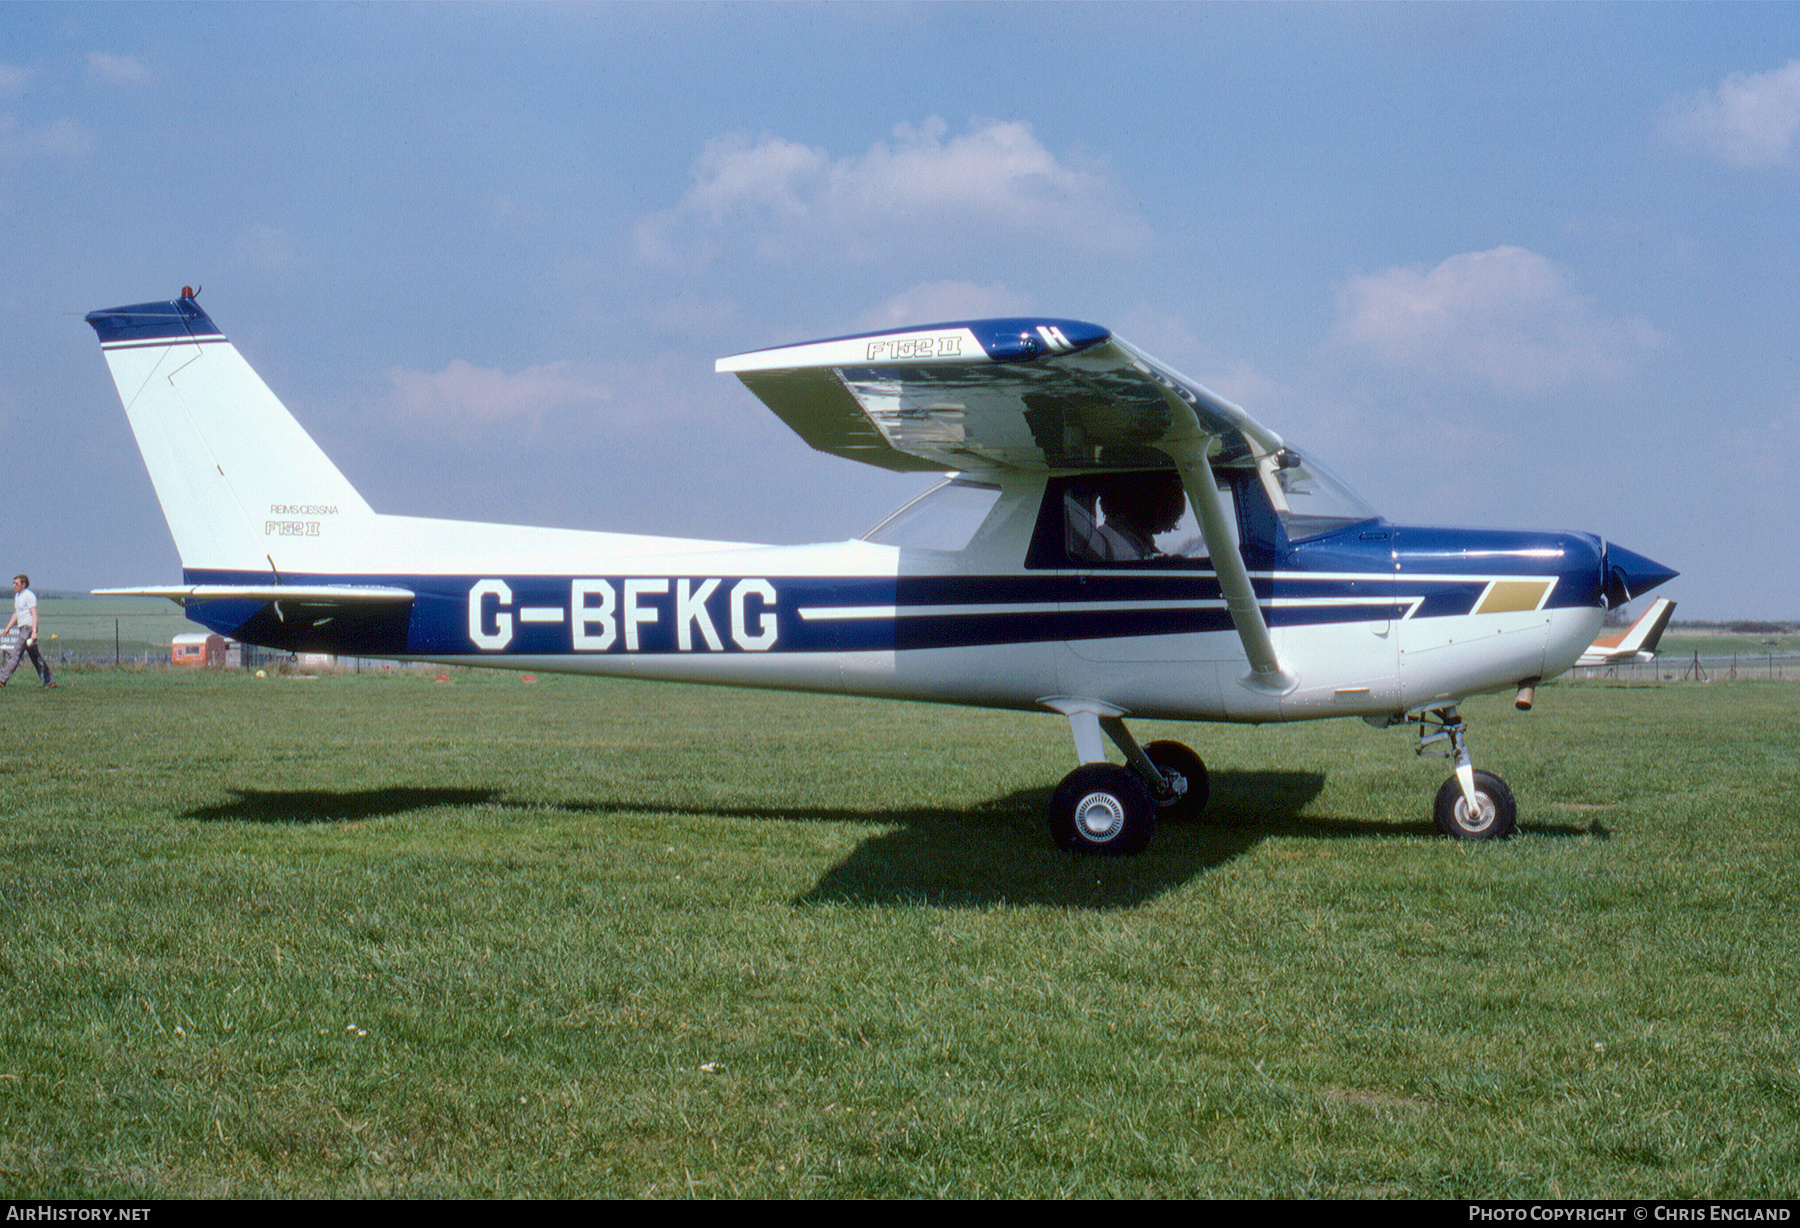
1102	808
1175	759
1492	819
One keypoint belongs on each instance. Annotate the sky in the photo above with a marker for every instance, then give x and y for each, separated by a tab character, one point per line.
1524	266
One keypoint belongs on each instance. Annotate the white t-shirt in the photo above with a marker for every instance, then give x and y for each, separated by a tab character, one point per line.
25	609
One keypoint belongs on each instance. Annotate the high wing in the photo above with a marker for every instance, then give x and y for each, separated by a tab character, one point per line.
1034	395
997	394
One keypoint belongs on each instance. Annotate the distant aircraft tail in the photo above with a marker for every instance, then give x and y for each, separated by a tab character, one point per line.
1647	632
1637	642
243	486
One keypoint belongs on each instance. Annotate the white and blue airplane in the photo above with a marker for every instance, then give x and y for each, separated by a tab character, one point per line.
1111	540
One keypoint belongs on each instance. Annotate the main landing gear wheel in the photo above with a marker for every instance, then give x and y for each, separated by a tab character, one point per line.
1102	808
1183	769
1492	819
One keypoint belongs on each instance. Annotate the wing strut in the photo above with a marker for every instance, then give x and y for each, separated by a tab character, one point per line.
1267	673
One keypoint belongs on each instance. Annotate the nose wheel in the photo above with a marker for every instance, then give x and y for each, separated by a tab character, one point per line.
1471	805
1492	817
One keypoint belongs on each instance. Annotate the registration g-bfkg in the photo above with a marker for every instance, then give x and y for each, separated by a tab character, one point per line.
605	615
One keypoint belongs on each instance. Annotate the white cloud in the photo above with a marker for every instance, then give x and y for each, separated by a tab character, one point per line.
510	211
118	69
932	301
465	395
1749	121
921	188
19	138
60	138
266	248
13	80
1507	317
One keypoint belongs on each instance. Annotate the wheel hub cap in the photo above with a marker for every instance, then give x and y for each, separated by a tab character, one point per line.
1100	816
1476	820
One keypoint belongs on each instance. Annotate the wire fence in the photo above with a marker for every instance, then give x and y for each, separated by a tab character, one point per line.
123	650
1696	667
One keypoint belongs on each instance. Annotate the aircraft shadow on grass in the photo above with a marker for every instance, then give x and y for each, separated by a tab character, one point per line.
334	805
993	853
979	856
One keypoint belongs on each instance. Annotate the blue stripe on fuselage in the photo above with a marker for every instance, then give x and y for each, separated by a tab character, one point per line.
556	615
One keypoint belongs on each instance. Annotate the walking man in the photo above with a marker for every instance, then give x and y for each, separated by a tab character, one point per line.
25	618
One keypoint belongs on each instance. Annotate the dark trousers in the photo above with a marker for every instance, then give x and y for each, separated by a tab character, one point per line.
12	662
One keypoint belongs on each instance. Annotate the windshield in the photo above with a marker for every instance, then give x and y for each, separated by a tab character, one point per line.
1310	500
943	518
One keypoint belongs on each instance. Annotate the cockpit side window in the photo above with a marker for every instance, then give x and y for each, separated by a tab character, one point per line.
1111	520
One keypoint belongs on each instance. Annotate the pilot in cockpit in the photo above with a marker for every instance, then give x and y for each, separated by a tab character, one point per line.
1137	507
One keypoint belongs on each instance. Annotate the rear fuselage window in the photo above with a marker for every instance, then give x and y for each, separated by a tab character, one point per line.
943	518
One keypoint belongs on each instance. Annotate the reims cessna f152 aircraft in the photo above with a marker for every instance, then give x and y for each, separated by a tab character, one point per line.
1112	540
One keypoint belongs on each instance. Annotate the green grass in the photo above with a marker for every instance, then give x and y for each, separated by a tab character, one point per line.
380	936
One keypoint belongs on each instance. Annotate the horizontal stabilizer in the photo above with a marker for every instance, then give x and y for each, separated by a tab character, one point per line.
356	620
319	594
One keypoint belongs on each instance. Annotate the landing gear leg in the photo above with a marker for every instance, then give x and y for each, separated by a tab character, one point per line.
1102	807
1471	805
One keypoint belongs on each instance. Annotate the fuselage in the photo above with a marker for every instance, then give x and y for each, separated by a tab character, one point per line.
1071	566
1374	619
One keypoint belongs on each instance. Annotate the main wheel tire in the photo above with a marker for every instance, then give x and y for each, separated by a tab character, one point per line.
1177	760
1494	819
1102	808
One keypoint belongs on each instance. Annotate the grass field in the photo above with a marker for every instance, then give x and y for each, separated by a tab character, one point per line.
1681	643
93	628
380	936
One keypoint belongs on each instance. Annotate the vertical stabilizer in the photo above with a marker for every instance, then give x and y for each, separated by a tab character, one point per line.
242	485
